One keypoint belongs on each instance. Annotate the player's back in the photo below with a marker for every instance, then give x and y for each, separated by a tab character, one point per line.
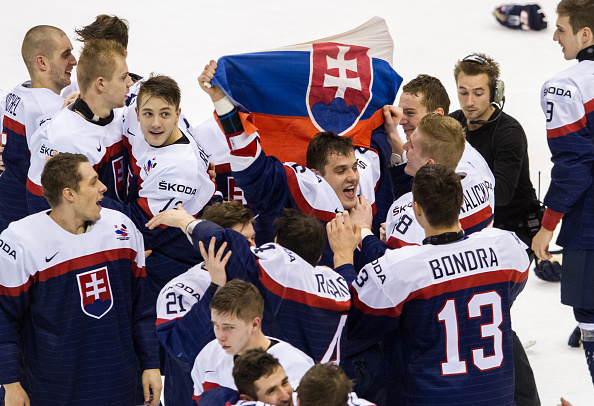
449	305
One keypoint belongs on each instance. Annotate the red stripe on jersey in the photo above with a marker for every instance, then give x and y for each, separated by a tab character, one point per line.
223	168
34	188
143	203
209	385
396	243
163	321
476	218
567	129
481	279
301	201
14	126
75	264
110	152
301	296
589	106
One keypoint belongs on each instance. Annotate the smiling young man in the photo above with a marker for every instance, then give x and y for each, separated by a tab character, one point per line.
73	308
89	125
47	53
236	313
566	100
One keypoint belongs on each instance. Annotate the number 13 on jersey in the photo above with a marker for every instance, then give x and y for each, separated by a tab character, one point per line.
490	331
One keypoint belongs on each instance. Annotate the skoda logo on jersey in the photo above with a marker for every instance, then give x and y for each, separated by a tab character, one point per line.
121	232
339	90
150	164
95	292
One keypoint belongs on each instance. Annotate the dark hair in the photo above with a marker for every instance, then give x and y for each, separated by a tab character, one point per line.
302	234
240	299
39	40
161	87
97	59
435	95
228	214
251	366
325	144
105	27
474	68
442	139
61	172
437	189
324	385
580	13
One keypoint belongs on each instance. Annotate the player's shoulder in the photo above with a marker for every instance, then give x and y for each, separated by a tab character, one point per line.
566	85
496	235
282	350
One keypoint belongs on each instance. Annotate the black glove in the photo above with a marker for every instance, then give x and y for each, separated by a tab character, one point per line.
528	17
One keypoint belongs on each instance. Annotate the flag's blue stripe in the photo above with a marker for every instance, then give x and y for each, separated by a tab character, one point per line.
255	81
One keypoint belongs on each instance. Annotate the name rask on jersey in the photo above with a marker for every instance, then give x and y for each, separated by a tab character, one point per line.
327	285
4	247
462	262
12	102
174	187
476	195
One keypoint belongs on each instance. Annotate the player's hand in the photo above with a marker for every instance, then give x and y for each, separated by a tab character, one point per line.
2	167
540	243
215	262
383	232
172	218
71	98
343	238
15	395
152	385
212	173
392	117
564	403
204	80
362	214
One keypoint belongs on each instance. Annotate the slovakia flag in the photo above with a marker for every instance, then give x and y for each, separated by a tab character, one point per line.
334	84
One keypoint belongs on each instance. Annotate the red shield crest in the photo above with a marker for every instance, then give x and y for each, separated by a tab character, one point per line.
339	90
95	292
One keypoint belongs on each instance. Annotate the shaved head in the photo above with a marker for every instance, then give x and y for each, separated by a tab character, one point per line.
40	40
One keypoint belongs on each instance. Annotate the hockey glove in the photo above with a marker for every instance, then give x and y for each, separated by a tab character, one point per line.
528	17
548	271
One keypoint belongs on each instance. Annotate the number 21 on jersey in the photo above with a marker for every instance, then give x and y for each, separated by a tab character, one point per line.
449	316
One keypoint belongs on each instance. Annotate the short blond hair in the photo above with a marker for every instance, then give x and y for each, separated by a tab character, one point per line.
442	139
98	59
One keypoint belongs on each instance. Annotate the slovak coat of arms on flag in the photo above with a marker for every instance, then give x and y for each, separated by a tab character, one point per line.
339	88
95	292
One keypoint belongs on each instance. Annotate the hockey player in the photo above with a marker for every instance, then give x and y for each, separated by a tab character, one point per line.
422	95
262	381
420	297
439	139
232	215
47	53
300	297
236	312
76	319
566	99
90	125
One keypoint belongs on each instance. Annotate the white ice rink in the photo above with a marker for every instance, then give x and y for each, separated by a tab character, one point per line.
177	38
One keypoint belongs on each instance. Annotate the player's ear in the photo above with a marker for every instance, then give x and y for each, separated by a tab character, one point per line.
256	322
41	63
246	397
100	84
68	194
439	111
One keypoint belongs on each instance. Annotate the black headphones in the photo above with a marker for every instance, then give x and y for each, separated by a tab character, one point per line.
498	90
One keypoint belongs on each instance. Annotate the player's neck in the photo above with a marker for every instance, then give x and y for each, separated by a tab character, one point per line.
97	105
68	221
40	82
176	134
431	231
258	340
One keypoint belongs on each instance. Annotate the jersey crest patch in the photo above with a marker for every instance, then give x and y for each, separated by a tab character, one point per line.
95	292
340	81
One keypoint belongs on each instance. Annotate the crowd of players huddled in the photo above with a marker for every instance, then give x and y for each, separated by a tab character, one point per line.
120	262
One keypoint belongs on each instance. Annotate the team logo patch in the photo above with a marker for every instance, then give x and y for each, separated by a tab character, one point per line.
339	90
122	232
95	292
150	164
